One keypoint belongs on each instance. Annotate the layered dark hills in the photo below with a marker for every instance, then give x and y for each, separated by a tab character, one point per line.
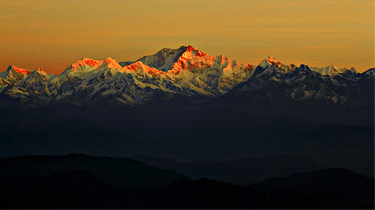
349	147
240	172
120	172
31	187
190	139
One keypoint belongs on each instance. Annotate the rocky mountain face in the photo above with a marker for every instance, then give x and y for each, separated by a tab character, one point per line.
183	72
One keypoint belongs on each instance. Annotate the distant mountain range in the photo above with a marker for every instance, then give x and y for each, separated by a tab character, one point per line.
185	71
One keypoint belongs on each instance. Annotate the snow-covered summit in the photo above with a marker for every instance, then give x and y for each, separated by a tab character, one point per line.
192	59
23	71
272	60
166	59
87	64
333	70
14	75
19	70
271	64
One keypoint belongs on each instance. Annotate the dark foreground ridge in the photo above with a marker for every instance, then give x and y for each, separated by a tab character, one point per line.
120	172
80	181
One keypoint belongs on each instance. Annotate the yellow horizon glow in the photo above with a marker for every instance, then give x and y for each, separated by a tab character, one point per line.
54	34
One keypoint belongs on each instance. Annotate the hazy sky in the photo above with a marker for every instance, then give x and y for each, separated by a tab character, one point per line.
53	34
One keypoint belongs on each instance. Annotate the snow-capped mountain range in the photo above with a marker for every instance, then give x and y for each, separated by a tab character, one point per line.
185	71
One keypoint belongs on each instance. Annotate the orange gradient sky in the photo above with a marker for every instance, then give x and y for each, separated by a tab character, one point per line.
52	34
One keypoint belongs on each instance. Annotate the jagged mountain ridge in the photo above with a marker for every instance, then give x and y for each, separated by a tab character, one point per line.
305	83
185	71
